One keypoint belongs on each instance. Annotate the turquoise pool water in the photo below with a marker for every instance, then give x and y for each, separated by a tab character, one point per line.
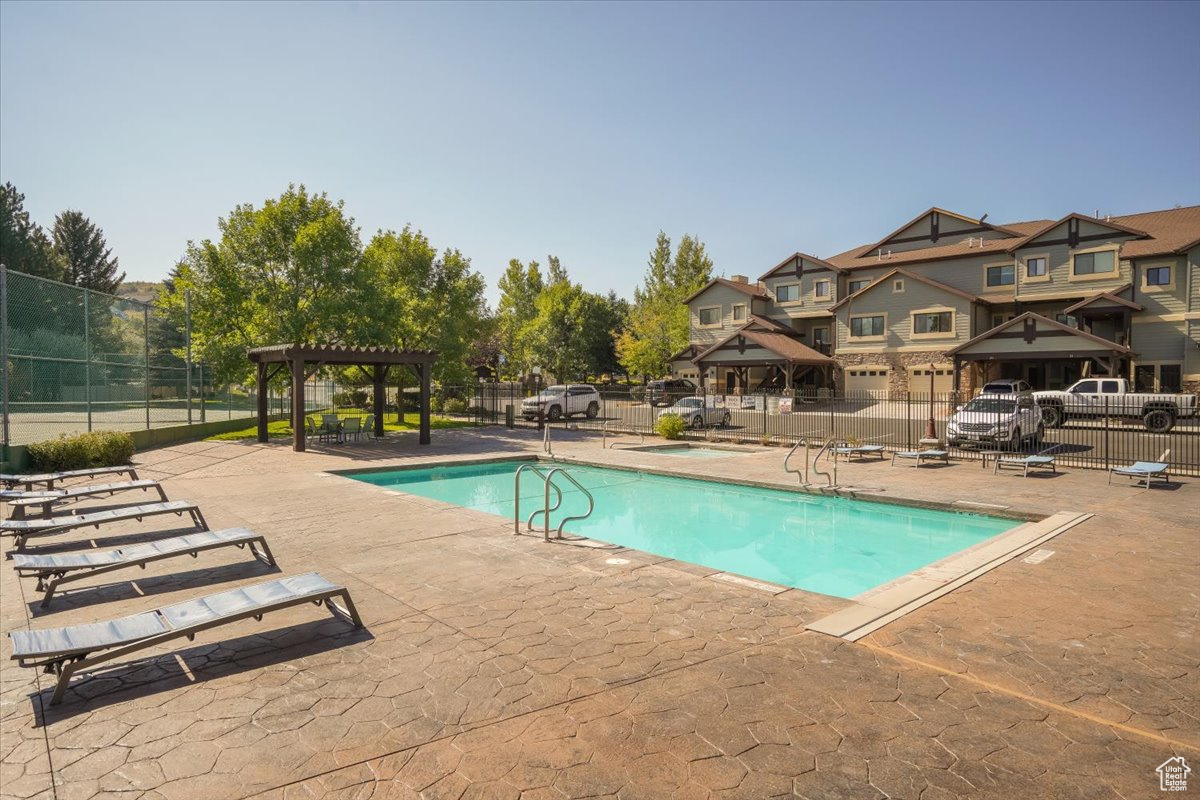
832	545
687	451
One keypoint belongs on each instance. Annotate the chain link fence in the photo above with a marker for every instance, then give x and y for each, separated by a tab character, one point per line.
76	360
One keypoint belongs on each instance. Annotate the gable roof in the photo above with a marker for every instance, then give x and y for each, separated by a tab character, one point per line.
979	224
767	323
819	262
1109	223
916	277
1173	231
1110	297
1038	318
751	289
783	344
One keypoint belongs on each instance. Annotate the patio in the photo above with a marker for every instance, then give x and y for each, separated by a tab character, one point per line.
501	666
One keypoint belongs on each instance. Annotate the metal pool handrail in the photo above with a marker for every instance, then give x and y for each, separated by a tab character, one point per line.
517	495
803	476
550	482
830	479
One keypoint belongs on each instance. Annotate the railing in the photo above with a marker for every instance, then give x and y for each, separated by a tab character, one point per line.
565	520
831	480
517	497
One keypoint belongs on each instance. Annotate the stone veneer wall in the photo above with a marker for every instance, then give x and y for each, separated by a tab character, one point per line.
899	364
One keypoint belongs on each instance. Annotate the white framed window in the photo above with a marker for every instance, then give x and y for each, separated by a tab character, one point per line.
1037	269
1094	264
898	286
867	326
998	275
933	322
821	289
710	317
1158	376
858	285
1158	277
787	293
739	312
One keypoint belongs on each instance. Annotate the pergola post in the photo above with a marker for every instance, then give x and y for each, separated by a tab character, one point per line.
425	374
297	365
380	375
262	401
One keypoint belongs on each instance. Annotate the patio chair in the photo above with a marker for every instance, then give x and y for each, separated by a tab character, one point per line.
1145	470
331	427
23	501
1040	460
310	429
67	650
54	570
922	455
351	426
860	451
23	530
50	478
369	426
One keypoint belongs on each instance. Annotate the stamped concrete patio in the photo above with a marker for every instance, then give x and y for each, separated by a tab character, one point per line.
503	667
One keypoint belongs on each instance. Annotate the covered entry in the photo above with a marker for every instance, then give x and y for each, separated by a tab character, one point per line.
1034	339
780	359
375	362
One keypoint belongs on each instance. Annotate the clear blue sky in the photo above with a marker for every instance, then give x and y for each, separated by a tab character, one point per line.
581	130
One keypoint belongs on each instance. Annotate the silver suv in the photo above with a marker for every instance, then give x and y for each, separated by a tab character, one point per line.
556	402
1006	421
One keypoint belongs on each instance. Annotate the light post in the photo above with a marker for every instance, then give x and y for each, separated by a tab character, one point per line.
930	425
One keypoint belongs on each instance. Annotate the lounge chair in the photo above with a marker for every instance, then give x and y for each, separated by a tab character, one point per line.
54	570
51	478
852	451
22	530
1145	470
67	650
1040	460
922	455
22	501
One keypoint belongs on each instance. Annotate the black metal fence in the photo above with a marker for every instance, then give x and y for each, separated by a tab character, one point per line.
1111	436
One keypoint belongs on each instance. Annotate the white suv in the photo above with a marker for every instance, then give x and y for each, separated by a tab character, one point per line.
1006	421
556	402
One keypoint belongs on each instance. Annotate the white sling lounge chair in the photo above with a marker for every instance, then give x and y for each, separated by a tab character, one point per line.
22	530
48	479
860	451
922	455
1145	470
68	650
23	501
54	570
1041	460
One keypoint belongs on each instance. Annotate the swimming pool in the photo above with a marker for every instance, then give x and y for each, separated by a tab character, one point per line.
690	451
833	545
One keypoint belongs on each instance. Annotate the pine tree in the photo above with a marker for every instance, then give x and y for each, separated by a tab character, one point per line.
24	246
87	259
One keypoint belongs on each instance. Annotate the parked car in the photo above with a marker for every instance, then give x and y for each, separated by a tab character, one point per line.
556	402
666	392
696	414
1005	386
1007	421
1097	397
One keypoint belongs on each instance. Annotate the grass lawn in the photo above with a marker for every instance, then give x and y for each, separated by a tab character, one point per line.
283	428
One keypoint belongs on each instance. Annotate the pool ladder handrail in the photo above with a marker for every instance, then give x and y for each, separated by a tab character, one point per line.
831	480
550	482
802	475
517	497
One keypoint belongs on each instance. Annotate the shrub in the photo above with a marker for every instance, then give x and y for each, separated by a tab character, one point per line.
455	405
84	450
436	404
355	398
670	426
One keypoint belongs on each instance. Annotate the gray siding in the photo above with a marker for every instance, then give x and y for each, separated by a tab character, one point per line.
898	306
1158	341
725	298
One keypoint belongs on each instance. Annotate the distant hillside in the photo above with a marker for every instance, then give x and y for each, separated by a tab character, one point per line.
144	291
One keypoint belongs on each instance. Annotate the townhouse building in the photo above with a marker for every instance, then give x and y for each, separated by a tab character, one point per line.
956	301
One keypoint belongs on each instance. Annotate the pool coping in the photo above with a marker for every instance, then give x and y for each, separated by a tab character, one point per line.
869	610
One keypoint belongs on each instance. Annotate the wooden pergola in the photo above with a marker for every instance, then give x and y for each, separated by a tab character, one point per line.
373	361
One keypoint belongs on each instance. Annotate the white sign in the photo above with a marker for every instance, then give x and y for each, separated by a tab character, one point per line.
1172	774
785	405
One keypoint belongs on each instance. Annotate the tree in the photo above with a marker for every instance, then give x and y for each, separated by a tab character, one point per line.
286	272
571	334
520	286
658	321
85	255
24	246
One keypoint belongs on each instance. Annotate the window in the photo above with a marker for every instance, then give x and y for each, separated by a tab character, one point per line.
1036	267
858	285
820	335
1109	387
1170	378
866	326
1065	319
1000	319
897	286
1158	276
739	312
821	289
1098	263
1158	378
788	293
1000	275
933	322
1085	387
710	316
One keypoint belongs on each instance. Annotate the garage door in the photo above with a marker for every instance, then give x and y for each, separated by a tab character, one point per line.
943	379
867	382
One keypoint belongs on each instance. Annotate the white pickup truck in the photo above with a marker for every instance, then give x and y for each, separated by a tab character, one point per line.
1097	397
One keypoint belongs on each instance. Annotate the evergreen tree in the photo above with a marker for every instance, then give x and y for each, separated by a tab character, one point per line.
86	257
24	246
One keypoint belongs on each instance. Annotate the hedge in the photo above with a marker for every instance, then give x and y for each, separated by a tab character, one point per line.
95	449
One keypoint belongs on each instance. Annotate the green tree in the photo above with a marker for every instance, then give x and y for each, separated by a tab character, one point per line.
24	246
84	254
520	286
285	272
571	333
658	321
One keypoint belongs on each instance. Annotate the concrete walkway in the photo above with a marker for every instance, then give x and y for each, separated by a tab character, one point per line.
502	666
